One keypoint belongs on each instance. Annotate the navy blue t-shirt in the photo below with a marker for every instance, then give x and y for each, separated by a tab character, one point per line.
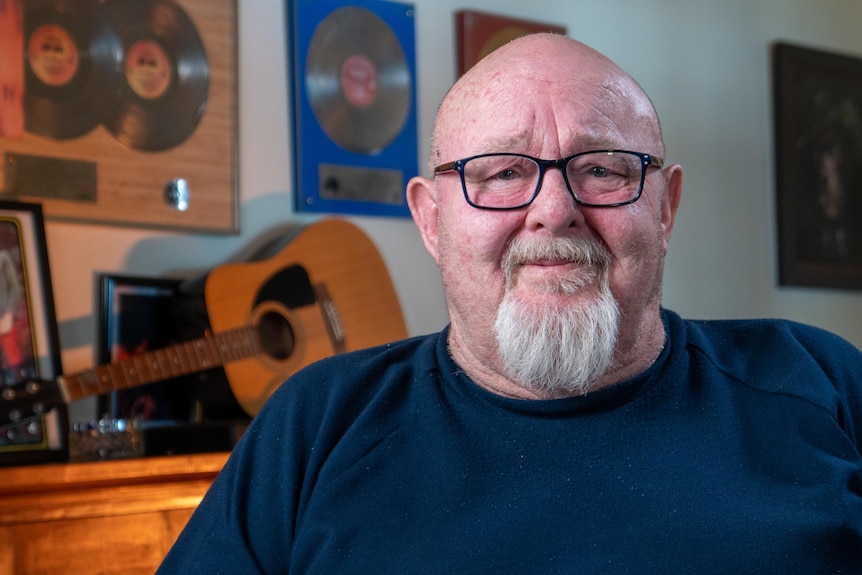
736	452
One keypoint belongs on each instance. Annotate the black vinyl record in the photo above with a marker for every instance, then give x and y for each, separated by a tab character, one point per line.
73	62
357	80
165	79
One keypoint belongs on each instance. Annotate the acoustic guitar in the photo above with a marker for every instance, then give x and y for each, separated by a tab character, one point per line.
324	290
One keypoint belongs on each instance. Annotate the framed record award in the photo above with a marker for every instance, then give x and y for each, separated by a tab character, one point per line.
480	33
29	342
354	105
121	111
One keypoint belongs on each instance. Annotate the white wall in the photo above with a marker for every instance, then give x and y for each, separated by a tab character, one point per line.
706	66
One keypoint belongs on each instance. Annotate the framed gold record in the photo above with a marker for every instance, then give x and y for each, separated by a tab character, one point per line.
124	111
354	104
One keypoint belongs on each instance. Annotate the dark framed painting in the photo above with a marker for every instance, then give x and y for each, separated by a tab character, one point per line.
480	33
818	158
29	342
136	317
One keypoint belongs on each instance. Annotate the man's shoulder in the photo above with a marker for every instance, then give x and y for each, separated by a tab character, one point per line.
349	399
774	355
767	335
414	352
351	375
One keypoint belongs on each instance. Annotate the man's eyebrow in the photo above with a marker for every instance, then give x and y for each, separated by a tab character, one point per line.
519	143
510	143
587	142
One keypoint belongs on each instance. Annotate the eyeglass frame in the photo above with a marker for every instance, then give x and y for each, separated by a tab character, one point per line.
647	161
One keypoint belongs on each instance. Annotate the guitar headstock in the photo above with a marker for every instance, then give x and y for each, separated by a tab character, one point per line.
28	399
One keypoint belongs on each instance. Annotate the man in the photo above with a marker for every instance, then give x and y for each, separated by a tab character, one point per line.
564	422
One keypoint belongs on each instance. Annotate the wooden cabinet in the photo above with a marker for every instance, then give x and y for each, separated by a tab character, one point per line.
98	517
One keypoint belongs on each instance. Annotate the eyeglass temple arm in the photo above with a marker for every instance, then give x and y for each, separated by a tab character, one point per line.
447	167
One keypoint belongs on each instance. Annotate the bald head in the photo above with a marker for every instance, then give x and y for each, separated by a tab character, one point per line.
542	74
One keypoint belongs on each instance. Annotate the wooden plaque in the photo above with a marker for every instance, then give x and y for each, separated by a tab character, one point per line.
130	142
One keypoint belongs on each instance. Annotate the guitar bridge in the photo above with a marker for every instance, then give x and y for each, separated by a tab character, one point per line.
333	322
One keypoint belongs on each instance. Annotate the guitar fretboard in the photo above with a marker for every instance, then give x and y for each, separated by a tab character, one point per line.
162	364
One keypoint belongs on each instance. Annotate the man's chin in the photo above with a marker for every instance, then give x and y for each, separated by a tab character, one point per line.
555	280
557	344
546	291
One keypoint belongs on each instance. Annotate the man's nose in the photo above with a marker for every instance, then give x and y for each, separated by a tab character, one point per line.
554	207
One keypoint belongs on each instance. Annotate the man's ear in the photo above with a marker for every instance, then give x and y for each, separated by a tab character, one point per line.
670	201
422	200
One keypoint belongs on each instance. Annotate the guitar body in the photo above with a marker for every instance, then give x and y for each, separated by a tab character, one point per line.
326	291
323	290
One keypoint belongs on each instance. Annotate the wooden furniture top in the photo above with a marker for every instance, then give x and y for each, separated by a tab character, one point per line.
92	489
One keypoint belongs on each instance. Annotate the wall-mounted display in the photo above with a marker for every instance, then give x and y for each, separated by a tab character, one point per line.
29	344
818	159
480	33
135	317
121	111
354	101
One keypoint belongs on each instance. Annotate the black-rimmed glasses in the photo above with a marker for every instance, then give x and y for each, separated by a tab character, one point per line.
604	178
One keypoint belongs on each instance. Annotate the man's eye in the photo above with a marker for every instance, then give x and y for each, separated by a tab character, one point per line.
509	174
599	171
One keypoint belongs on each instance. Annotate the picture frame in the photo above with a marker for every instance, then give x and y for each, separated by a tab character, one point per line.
352	70
137	127
817	111
480	33
29	340
136	316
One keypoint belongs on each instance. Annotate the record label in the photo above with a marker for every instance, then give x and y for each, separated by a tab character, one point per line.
148	69
52	55
359	81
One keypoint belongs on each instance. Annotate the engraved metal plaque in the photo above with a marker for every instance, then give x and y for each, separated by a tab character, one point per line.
384	186
53	178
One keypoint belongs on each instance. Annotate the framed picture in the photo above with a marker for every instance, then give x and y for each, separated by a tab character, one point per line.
135	317
121	112
480	33
818	159
353	76
29	343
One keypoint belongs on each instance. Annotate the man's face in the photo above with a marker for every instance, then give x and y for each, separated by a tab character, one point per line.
548	113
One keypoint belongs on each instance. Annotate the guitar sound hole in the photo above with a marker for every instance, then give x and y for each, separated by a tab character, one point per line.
276	336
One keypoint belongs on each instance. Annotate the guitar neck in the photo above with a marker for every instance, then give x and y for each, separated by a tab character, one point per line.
162	364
